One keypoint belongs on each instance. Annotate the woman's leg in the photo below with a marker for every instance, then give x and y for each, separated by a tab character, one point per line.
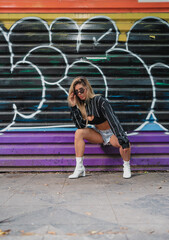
88	134
83	134
125	154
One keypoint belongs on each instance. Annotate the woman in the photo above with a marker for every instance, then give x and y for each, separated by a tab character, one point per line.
88	108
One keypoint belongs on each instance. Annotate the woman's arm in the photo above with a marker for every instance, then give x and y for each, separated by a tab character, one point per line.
114	123
75	112
77	117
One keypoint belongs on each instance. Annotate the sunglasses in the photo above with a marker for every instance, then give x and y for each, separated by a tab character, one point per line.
81	91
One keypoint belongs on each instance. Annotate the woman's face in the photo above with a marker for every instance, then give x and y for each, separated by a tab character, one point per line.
81	91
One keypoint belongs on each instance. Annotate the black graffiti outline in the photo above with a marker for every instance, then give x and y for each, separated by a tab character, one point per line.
7	37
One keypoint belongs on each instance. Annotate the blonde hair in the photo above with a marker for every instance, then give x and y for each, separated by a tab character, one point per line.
90	94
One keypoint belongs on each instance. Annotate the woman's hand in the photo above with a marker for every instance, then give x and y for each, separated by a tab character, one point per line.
72	99
90	118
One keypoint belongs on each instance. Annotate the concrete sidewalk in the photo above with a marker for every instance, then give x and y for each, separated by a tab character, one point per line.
102	206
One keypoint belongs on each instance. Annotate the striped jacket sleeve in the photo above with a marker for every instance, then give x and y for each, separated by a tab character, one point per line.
77	117
114	123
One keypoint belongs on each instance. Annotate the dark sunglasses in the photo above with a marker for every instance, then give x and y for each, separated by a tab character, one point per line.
81	91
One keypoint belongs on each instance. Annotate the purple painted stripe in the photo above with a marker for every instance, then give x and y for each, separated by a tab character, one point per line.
52	150
117	169
37	137
68	137
151	161
91	169
149	138
62	149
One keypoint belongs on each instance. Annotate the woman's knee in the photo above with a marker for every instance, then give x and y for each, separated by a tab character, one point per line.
125	150
79	133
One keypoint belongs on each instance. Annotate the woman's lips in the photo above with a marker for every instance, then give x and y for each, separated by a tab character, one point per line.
81	97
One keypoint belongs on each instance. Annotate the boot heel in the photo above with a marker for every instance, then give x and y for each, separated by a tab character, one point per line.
84	173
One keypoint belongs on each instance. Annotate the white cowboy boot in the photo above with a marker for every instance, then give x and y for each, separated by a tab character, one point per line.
126	169
79	170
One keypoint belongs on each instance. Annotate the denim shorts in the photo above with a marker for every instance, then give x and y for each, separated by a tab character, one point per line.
106	135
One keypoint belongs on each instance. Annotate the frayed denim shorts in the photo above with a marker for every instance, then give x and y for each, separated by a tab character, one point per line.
106	135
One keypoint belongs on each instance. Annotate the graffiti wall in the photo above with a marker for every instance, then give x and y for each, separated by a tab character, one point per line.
125	61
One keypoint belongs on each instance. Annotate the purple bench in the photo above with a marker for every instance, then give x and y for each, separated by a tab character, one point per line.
54	151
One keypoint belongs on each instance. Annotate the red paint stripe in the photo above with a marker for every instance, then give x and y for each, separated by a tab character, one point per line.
83	6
